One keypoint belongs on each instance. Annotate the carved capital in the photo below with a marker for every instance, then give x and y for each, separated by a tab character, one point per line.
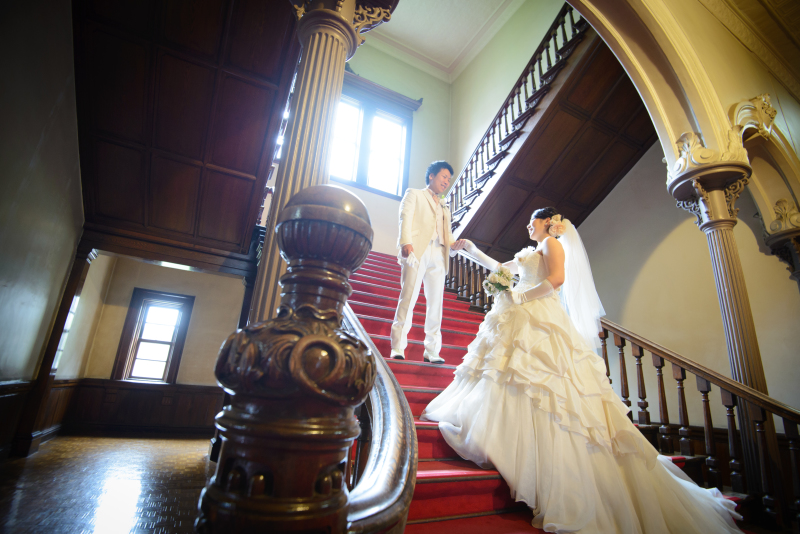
786	216
693	154
367	17
352	17
755	113
786	246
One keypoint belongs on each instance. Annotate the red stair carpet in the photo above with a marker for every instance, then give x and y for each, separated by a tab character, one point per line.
451	495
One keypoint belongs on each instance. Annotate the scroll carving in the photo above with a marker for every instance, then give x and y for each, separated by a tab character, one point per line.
786	216
732	193
367	18
294	382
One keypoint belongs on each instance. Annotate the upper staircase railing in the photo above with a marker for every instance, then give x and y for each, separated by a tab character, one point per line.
532	85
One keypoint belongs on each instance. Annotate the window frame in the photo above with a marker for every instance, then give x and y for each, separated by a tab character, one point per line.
132	329
374	98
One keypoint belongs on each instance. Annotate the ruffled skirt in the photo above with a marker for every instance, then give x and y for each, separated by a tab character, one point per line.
533	401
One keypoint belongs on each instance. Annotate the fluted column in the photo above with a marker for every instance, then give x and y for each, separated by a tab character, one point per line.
329	33
710	192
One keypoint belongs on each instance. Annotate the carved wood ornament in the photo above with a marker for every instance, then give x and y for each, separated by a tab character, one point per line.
294	381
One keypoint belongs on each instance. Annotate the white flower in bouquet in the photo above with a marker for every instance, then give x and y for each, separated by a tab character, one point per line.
498	281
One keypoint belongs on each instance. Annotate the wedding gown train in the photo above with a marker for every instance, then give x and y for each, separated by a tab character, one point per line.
532	400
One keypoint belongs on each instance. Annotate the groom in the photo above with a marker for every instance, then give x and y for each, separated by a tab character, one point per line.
424	243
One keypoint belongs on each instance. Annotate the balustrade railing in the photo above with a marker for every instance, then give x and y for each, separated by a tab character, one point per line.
732	395
520	104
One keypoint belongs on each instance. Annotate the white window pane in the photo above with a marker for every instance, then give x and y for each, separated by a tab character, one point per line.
166	316
148	369
345	141
153	351
387	149
158	332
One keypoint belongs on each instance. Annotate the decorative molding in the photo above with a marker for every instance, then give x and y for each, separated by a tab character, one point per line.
357	82
693	205
692	152
732	193
366	18
734	22
786	216
757	113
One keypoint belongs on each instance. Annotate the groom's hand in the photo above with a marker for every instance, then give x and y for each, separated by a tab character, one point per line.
406	250
458	245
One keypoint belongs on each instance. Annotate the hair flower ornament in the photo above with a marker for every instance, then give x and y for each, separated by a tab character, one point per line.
556	228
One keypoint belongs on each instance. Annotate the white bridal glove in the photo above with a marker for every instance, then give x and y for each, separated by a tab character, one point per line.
482	258
541	289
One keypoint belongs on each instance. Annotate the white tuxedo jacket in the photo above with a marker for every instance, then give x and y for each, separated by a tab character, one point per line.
418	222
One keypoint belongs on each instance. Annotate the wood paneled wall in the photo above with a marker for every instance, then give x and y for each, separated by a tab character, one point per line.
103	407
12	401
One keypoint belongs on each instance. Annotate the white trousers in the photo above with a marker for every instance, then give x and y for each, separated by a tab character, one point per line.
431	270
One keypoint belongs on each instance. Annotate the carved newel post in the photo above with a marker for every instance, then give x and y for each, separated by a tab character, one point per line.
294	381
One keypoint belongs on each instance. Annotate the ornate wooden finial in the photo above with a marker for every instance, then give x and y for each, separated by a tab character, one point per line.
294	381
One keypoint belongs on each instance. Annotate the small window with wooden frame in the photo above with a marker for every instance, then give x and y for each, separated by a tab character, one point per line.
153	336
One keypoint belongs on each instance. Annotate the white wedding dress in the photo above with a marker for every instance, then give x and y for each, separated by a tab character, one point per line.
532	400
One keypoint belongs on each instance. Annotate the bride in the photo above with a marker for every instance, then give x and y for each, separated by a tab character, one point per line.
532	400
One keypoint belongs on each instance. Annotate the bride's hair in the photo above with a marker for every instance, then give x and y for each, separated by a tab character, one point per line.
544	213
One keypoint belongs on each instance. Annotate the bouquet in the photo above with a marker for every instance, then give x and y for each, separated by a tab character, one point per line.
498	281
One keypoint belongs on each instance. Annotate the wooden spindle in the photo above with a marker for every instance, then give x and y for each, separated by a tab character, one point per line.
619	341
525	84
547	54
604	346
714	480
664	439
572	22
564	31
644	415
462	292
505	120
759	417
679	374
737	480
790	429
480	301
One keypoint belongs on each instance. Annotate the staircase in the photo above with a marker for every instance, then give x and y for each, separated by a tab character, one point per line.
451	495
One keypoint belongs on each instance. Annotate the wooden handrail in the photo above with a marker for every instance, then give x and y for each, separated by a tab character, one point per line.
740	390
380	500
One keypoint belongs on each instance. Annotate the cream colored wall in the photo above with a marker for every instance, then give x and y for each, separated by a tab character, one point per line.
218	302
78	344
653	272
483	85
41	211
735	73
430	132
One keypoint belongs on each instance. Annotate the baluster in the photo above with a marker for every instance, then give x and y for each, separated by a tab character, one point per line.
494	145
541	72
644	415
475	285
664	439
468	286
518	99
759	416
679	374
714	481
462	292
623	372
554	38
461	196
603	344
563	25
480	300
482	151
525	83
473	175
737	480
790	429
572	22
505	119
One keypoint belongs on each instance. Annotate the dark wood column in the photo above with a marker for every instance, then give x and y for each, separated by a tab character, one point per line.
29	428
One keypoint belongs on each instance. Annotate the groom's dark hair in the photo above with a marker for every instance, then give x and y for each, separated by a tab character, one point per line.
434	169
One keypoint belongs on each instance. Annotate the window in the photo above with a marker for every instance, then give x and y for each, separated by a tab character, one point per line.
153	336
371	137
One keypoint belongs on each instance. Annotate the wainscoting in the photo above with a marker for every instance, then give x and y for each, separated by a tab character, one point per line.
12	400
106	407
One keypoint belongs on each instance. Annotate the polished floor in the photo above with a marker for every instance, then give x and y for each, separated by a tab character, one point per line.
105	485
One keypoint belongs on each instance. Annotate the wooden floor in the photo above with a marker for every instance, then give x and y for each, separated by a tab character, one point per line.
105	485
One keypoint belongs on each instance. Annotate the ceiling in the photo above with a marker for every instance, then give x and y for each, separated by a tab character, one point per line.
179	105
441	37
